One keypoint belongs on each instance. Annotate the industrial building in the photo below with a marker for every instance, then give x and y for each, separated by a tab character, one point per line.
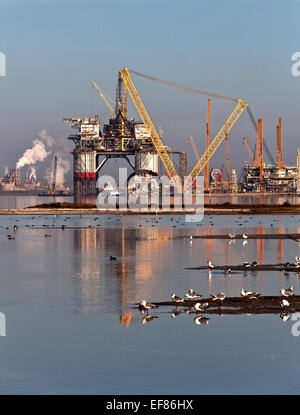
122	137
269	178
119	138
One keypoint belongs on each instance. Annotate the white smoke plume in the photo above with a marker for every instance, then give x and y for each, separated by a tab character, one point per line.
38	151
32	173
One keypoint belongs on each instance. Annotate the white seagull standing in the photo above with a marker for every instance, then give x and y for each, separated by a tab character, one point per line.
219	296
245	236
176	298
249	294
147	306
210	264
191	294
288	292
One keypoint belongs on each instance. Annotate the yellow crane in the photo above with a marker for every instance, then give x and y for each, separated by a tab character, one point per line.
160	148
103	97
218	139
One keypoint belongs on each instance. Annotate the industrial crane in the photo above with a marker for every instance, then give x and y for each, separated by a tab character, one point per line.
249	150
103	97
202	162
192	142
160	148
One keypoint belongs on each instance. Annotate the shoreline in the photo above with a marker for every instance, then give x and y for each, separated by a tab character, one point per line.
207	211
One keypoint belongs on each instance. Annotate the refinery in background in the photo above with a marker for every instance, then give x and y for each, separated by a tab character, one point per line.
11	183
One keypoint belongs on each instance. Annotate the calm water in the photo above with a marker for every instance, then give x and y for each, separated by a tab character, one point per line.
72	326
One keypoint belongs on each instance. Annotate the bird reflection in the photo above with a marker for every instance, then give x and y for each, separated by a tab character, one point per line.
148	318
284	317
176	312
201	320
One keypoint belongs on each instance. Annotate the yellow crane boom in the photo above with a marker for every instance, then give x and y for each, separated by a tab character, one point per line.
160	148
218	139
103	97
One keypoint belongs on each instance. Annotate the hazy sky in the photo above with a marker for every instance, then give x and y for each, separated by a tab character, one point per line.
243	49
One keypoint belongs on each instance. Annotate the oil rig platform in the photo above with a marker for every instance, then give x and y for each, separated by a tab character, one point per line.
119	138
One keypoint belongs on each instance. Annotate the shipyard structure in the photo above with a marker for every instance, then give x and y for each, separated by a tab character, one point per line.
119	138
142	147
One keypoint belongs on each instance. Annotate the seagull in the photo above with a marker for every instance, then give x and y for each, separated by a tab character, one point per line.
245	236
147	306
201	307
249	294
176	298
246	264
297	259
219	296
147	319
112	258
191	237
232	235
210	264
16	227
284	303
201	320
192	294
228	271
288	292
245	293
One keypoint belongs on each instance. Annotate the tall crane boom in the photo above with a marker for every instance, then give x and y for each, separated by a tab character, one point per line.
103	97
249	150
218	139
192	142
160	148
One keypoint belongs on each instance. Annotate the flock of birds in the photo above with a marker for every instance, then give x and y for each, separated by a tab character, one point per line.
199	307
253	264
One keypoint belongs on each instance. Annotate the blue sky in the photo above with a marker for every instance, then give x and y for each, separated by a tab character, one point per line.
236	48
